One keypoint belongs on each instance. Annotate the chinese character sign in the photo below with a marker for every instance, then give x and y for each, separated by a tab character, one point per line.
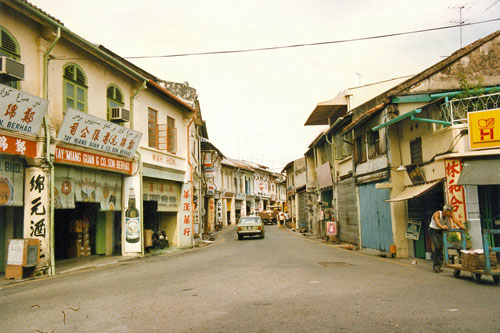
211	214
36	210
185	216
84	130
484	129
21	112
455	193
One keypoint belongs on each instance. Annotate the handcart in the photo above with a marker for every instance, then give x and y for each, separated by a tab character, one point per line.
476	273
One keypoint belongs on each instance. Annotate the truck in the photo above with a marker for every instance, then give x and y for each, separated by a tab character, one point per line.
269	216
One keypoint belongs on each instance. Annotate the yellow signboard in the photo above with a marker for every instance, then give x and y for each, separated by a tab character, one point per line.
484	129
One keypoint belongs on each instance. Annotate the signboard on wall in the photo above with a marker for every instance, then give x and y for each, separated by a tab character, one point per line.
21	112
81	129
164	192
66	155
11	181
484	129
16	146
413	229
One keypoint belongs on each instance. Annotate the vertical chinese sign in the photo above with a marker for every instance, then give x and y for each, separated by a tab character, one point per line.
455	193
185	218
36	210
211	214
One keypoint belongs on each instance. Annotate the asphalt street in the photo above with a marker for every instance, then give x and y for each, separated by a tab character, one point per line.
283	283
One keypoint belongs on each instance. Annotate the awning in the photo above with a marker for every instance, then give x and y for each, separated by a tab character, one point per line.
336	107
414	191
480	172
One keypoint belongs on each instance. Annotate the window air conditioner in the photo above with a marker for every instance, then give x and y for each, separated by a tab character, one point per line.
119	115
11	70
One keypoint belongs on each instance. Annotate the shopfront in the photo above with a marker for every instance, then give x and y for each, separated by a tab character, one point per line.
481	178
161	206
227	207
92	188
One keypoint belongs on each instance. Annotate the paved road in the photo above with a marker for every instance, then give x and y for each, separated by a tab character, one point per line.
283	283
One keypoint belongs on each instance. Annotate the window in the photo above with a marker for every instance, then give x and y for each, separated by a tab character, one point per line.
359	150
152	128
416	151
75	88
114	98
374	144
9	48
171	136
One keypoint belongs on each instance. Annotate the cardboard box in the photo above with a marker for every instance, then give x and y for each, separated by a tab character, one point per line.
75	226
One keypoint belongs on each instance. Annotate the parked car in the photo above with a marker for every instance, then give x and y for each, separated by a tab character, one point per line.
250	226
269	216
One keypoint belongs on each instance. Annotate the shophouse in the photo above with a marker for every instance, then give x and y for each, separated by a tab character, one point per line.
296	179
416	144
212	178
107	176
332	159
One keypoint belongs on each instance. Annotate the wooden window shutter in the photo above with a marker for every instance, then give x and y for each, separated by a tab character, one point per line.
162	136
172	140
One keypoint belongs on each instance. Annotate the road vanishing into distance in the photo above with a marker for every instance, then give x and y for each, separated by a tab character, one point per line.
283	283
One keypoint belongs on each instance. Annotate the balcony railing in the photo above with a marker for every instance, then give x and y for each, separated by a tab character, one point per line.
455	110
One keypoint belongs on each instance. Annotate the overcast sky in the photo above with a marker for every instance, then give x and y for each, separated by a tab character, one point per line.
256	103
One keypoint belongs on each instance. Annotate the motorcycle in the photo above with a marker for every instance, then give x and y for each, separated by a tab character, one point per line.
160	239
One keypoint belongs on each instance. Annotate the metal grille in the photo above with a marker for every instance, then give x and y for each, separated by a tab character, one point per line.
456	110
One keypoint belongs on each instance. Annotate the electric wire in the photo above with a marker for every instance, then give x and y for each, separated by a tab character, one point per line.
315	43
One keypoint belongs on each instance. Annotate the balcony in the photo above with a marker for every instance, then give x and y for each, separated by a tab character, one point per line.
455	110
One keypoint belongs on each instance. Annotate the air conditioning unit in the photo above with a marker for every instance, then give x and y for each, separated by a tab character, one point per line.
11	70
119	115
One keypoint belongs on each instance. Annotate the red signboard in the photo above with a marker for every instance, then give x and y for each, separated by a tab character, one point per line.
72	156
15	146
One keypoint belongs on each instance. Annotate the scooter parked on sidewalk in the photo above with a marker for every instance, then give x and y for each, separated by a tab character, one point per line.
160	239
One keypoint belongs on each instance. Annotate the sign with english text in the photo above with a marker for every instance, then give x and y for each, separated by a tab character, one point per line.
21	112
66	155
81	129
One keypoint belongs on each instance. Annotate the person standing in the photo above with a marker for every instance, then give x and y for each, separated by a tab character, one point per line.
441	220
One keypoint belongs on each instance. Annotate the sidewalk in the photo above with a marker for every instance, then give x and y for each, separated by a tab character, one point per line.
416	262
94	261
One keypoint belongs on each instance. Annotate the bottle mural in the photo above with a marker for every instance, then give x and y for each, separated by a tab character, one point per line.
132	220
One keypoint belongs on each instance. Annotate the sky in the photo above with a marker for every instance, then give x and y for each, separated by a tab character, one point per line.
256	103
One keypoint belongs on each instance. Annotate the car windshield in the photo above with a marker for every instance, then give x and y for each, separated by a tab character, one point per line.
249	220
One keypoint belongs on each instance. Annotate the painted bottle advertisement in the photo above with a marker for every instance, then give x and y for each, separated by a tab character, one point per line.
132	220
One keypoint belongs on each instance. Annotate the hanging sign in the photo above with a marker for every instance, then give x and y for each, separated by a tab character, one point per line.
66	155
64	187
21	112
484	129
81	129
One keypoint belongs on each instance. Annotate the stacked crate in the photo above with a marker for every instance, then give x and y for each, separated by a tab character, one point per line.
475	259
75	248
